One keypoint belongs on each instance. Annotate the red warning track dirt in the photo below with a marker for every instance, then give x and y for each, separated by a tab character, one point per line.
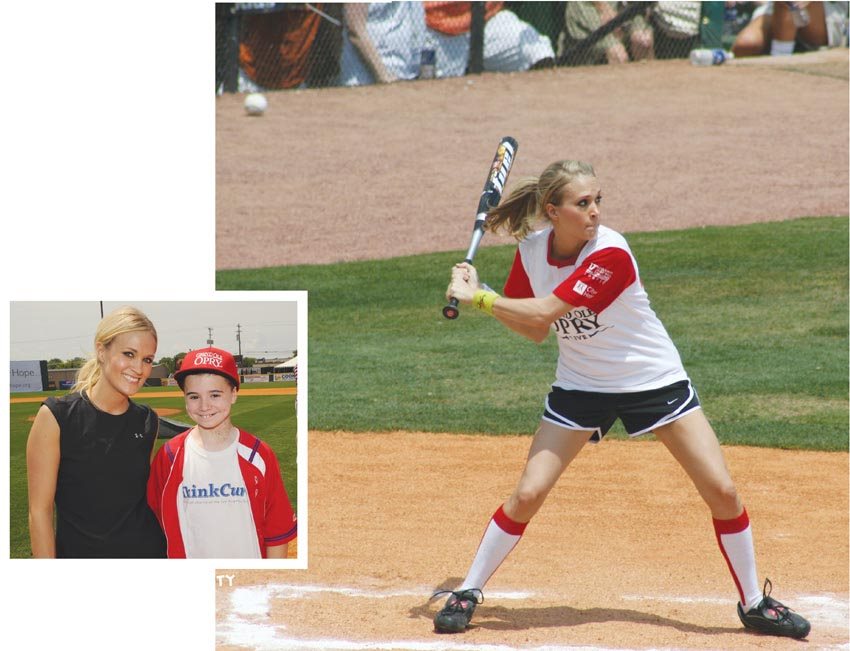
375	172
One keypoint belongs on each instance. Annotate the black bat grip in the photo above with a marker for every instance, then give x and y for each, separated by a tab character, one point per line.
450	311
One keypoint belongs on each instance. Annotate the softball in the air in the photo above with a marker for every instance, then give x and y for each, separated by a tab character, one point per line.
255	103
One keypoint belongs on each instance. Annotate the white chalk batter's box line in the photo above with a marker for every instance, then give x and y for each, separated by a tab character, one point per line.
248	625
266	637
263	643
825	609
298	591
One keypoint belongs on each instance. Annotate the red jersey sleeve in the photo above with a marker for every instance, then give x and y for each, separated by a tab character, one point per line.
518	285
280	525
599	280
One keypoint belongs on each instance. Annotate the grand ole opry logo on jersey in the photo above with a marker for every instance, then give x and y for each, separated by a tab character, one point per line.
580	323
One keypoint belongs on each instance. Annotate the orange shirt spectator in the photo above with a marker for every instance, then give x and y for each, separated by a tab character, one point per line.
286	49
455	18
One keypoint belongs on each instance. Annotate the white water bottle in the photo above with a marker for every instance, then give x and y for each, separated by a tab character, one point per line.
427	66
706	57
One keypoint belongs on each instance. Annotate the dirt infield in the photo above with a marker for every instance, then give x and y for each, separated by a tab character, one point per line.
274	391
623	554
166	411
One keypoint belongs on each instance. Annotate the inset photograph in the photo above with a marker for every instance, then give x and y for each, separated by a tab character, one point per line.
157	429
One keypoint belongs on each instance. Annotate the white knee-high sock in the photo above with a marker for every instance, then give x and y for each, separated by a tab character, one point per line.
500	537
735	538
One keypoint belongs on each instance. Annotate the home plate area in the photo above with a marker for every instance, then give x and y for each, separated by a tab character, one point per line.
281	616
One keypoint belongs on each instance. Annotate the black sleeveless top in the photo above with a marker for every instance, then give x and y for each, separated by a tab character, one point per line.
104	463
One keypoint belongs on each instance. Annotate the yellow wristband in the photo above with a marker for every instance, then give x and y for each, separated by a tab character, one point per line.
484	299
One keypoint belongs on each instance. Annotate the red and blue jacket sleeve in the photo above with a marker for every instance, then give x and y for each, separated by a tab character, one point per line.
280	524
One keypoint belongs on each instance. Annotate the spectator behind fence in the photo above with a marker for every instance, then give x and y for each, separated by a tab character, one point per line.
773	30
634	40
676	28
510	44
292	48
382	41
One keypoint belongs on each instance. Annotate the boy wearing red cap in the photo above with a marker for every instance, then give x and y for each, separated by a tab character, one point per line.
216	489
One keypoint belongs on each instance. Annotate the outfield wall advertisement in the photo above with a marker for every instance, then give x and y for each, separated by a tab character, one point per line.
28	376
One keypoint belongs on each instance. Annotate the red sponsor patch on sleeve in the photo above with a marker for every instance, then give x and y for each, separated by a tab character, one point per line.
599	280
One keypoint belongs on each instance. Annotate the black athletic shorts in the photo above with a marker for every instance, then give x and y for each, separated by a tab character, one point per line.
640	412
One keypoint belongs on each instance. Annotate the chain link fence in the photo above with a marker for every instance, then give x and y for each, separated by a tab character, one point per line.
273	46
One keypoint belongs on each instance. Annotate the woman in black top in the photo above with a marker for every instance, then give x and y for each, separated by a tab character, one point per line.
89	453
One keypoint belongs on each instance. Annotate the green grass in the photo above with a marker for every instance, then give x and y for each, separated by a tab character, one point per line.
271	418
758	312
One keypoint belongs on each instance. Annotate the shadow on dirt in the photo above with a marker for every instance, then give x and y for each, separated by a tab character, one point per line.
501	618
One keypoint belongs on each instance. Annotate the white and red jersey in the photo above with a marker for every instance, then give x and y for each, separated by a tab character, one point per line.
611	341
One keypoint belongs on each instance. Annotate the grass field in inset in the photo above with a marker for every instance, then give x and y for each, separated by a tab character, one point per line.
759	313
271	418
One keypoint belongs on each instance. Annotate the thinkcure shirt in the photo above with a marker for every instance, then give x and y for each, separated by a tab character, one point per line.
213	507
104	462
611	341
273	521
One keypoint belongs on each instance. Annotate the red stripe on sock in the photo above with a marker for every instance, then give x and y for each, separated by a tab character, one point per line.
507	525
735	525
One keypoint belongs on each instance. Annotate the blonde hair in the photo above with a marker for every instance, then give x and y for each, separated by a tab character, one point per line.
525	206
124	319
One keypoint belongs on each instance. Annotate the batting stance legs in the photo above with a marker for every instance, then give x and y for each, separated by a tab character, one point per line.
552	450
691	441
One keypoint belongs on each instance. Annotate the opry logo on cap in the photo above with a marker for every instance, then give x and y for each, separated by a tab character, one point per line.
207	358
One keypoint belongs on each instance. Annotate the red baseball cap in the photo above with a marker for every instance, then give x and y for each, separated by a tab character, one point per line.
208	360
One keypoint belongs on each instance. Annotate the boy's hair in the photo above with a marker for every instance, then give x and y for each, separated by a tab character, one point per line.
181	381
